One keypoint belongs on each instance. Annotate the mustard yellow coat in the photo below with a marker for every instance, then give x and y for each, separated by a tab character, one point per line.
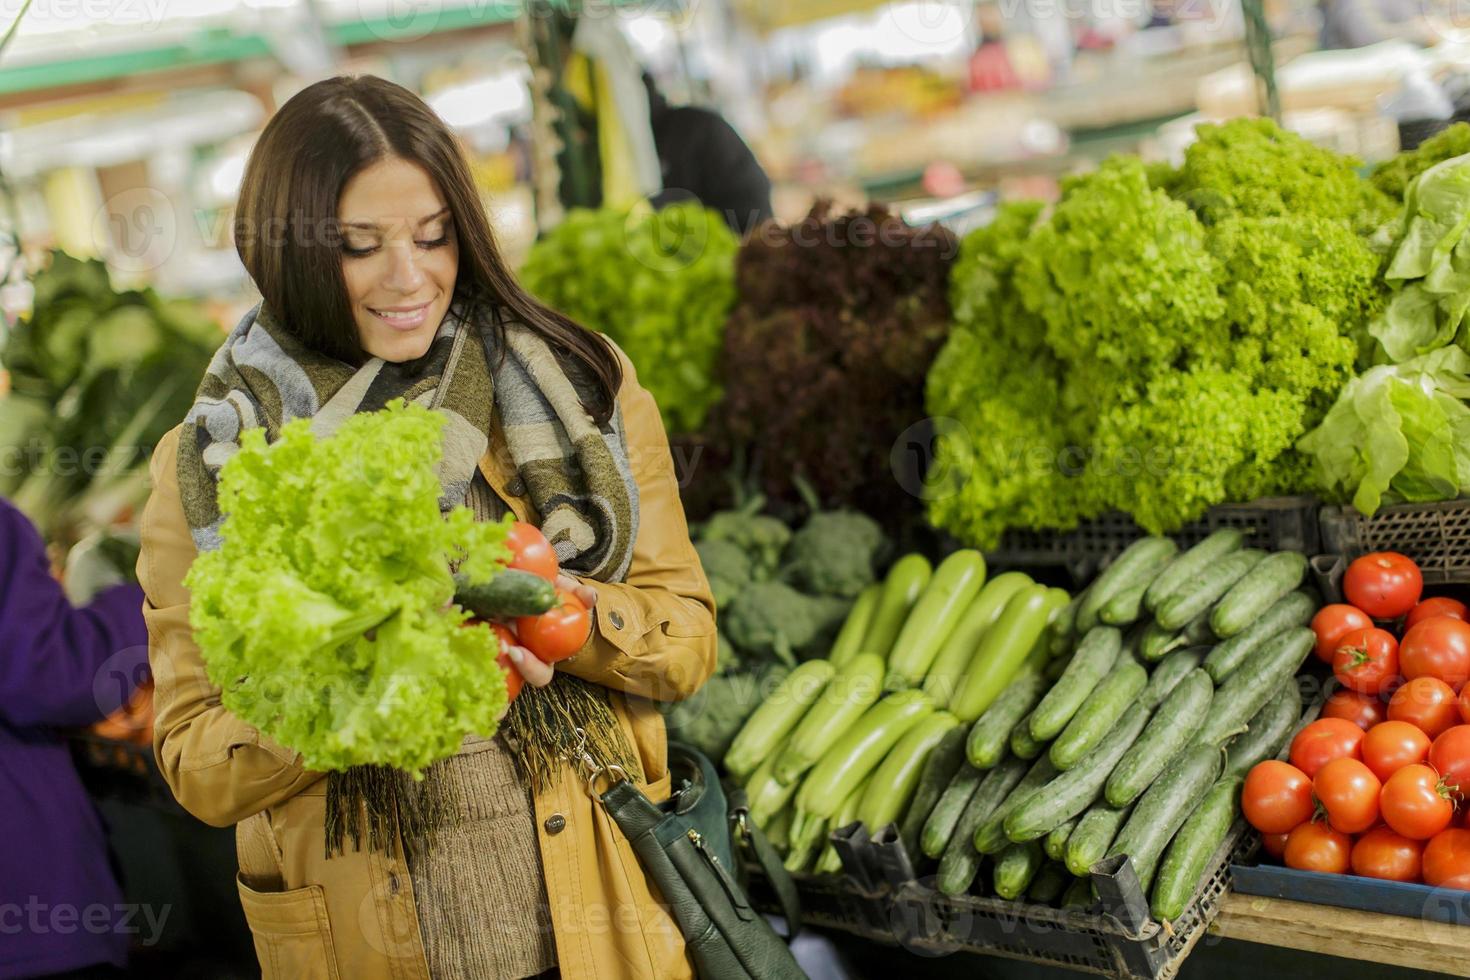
352	916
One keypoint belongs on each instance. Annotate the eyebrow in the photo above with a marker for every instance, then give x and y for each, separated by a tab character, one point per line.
374	226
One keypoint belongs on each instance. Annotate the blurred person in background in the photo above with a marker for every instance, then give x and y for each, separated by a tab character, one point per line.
1359	23
61	666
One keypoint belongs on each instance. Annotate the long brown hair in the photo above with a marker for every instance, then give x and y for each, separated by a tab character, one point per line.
287	228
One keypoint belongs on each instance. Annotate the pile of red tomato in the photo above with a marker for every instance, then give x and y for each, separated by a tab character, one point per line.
1373	785
557	633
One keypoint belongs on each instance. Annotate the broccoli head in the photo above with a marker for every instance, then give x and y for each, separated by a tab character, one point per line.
761	537
727	567
834	553
771	619
711	718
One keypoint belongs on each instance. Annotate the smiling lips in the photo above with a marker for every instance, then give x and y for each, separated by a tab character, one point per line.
402	318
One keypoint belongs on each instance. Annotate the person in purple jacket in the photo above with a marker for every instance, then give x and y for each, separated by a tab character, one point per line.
61	910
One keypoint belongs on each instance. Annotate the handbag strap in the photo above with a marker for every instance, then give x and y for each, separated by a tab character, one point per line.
766	857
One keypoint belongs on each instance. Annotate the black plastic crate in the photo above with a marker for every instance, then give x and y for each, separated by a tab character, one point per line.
1437	536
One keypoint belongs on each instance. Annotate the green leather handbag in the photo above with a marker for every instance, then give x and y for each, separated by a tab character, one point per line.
685	847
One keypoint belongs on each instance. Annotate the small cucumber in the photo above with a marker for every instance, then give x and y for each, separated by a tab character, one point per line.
934	616
1057	666
1206	588
960	861
1160	811
1139	563
1055	843
1167	734
1048	884
940	770
954	656
1273	578
1294	609
510	593
1022	744
1189	855
940	826
1064	630
1071	793
988	737
853	689
859	751
1189	564
1095	833
1268	731
1155	642
991	837
849	642
897	777
1015	867
777	716
1125	608
1099	713
1078	895
1169	672
1094	658
1254	683
1005	647
901	589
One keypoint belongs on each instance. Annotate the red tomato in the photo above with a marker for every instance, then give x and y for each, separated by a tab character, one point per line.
1390	746
1381	853
557	633
1384	584
513	679
1450	757
1331	622
1314	846
531	552
1324	740
1438	606
1465	704
1447	859
1437	647
1427	702
1348	791
1275	844
1276	797
1366	660
1362	710
1415	803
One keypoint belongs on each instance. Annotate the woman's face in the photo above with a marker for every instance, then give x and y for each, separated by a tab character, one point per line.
399	257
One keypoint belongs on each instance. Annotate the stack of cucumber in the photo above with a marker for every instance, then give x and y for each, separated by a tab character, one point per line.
1174	674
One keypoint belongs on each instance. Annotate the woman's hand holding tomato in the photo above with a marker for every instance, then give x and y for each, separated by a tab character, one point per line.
1367	660
561	631
531	552
1324	740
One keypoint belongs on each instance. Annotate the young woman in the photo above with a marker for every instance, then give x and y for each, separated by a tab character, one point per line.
380	278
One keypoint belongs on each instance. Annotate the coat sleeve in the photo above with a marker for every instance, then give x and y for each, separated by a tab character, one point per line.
654	634
59	664
221	769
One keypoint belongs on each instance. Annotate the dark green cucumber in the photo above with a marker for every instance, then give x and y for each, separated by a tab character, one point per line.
1095	657
1274	577
1095	833
1293	609
1125	608
940	770
990	837
1048	884
1186	566
1078	895
1057	667
1169	672
1206	588
1022	744
1157	642
1197	841
1139	563
1015	867
939	827
1055	844
1099	713
1269	730
1072	792
1168	732
960	861
1168	803
1254	683
991	733
510	593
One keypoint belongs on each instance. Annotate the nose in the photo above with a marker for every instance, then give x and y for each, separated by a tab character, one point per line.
404	275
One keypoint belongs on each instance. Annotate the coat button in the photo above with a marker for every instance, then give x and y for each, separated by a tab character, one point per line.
516	487
555	823
616	619
393	885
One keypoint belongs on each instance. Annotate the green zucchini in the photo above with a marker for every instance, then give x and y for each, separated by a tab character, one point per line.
1139	563
1206	588
777	716
1167	734
991	837
1048	884
1099	713
897	777
510	593
1055	843
934	616
1021	742
1186	566
853	689
859	751
1189	855
958	649
1005	647
1125	608
849	642
939	828
1095	657
829	862
988	737
1094	835
1267	732
1294	609
1164	807
1169	672
805	846
940	770
1078	895
1254	683
1273	578
778	830
1015	867
960	861
765	794
1072	792
901	589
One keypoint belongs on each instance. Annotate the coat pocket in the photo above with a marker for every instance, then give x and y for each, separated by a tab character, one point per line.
293	939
